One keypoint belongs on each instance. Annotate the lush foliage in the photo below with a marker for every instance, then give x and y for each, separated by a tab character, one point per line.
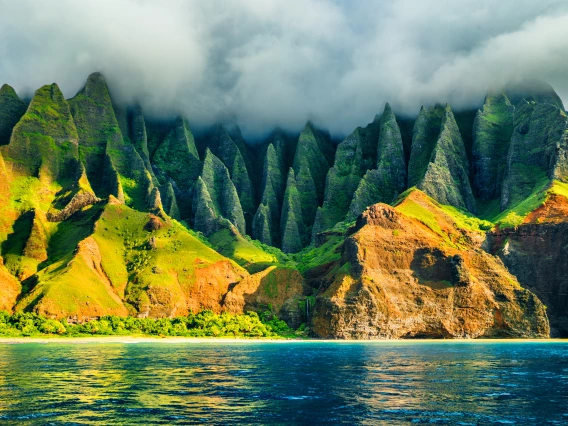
203	324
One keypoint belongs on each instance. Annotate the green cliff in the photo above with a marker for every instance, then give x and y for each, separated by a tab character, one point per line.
11	110
492	131
439	165
384	183
537	140
233	155
215	196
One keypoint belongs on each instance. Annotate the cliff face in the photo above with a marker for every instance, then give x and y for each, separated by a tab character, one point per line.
536	252
400	277
440	166
106	211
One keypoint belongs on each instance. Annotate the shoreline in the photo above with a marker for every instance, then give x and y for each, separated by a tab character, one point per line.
228	340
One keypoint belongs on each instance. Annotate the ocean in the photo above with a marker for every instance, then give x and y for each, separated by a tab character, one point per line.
387	382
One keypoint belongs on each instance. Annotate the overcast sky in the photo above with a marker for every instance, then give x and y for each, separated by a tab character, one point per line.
266	63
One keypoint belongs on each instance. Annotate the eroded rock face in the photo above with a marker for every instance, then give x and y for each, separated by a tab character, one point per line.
397	278
537	254
272	288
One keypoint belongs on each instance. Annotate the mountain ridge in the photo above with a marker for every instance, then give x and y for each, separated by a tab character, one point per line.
160	222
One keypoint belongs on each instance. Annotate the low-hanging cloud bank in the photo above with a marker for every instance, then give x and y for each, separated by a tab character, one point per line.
266	63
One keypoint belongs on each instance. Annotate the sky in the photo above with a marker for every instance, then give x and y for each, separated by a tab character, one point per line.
267	63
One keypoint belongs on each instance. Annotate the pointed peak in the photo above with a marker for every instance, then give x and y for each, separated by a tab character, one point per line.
309	127
96	87
7	90
448	115
94	81
388	115
291	174
49	91
95	77
496	97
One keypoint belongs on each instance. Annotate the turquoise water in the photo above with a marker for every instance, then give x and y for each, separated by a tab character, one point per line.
284	383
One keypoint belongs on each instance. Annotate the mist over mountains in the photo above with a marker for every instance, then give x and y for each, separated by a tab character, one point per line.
281	63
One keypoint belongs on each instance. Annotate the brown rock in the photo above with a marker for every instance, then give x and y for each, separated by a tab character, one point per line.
397	278
272	287
153	224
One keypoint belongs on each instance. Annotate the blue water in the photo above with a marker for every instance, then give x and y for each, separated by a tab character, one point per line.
284	383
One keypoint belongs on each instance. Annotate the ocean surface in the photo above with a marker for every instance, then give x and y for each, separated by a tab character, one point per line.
461	383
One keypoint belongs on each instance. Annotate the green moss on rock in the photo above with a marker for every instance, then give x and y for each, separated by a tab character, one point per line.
233	155
388	180
537	143
45	139
492	131
12	108
292	228
314	154
442	160
353	157
215	196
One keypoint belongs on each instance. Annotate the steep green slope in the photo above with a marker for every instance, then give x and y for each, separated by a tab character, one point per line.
353	157
492	131
388	179
266	221
292	228
537	143
314	155
439	166
44	142
11	110
215	197
176	159
227	150
103	148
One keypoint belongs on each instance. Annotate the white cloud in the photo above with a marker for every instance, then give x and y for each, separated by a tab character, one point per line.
275	62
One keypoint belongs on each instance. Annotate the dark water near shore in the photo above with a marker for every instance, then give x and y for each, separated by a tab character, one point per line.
284	383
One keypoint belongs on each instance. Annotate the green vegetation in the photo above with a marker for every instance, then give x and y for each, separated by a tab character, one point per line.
292	228
492	131
232	153
425	132
433	215
465	220
204	324
246	252
11	110
312	257
216	196
176	158
311	164
167	231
